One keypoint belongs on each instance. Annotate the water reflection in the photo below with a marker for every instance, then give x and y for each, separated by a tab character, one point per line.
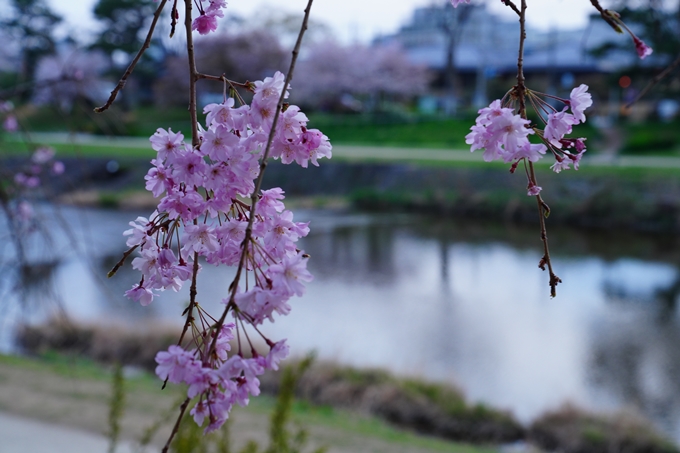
463	303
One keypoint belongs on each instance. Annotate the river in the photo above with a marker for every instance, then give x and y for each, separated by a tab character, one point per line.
456	302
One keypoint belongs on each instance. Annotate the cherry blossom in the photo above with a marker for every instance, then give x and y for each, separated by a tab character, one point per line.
642	49
200	215
579	100
504	135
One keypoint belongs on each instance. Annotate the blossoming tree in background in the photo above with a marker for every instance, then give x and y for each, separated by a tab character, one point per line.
212	207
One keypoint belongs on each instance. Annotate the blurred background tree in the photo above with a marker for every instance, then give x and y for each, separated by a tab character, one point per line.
124	26
30	24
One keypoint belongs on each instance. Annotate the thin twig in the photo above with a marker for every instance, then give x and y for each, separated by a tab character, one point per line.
221	78
120	263
128	71
28	86
658	78
542	210
192	300
512	6
520	92
606	16
195	141
175	428
175	15
521	88
258	182
193	75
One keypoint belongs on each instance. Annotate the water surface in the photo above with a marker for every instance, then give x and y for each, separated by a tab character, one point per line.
455	302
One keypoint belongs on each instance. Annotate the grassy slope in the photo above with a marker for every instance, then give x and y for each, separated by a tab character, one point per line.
652	137
75	392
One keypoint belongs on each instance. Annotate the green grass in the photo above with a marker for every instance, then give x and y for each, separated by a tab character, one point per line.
111	150
78	369
379	129
652	138
421	133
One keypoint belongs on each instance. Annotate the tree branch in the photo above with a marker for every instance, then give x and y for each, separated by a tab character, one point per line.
128	71
193	75
175	428
260	177
520	92
512	6
658	78
223	79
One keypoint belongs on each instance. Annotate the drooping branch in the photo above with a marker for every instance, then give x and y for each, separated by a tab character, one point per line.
194	76
131	67
258	183
543	210
658	78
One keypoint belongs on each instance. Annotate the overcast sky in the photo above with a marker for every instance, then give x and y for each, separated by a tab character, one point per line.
362	19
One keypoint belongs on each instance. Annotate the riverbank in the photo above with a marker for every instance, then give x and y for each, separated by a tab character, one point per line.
632	193
350	399
63	390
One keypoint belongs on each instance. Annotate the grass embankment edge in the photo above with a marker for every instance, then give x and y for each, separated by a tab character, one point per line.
53	364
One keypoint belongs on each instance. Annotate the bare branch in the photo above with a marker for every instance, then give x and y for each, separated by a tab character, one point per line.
520	93
175	15
246	84
128	71
175	428
193	74
658	78
512	6
606	16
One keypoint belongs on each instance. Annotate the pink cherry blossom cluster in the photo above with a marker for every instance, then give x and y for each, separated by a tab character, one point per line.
206	22
219	381
201	214
41	160
28	178
503	134
10	123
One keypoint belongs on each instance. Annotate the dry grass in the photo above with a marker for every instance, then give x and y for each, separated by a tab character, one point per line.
572	430
428	408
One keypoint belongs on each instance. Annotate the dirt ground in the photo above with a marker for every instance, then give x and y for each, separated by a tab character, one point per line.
74	401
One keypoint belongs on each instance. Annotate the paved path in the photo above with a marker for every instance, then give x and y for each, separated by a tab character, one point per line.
23	435
370	152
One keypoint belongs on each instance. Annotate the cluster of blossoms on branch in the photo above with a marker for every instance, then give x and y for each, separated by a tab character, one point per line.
502	129
20	184
504	135
42	160
201	213
206	22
